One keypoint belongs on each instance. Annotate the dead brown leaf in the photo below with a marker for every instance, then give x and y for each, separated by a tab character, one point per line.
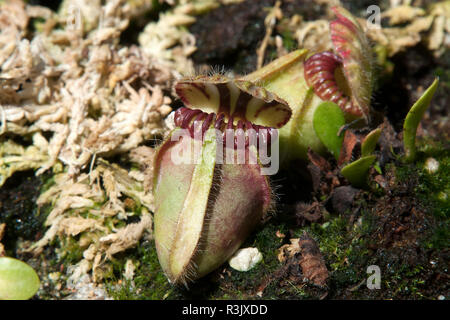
311	261
350	141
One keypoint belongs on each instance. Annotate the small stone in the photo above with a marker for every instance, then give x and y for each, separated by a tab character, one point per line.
245	259
431	165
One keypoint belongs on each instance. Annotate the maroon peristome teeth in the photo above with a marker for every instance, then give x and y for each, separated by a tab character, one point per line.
319	74
219	121
185	118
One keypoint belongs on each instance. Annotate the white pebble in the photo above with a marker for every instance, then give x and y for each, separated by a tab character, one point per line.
245	259
431	165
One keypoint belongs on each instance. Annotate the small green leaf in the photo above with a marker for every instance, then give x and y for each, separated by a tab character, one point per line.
412	121
18	281
370	142
328	119
356	172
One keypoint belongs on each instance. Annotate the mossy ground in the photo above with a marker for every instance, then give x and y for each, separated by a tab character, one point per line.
413	261
19	210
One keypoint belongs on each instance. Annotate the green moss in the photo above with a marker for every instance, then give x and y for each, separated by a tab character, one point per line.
440	237
149	282
47	182
406	281
408	271
267	243
432	191
344	248
289	41
70	252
